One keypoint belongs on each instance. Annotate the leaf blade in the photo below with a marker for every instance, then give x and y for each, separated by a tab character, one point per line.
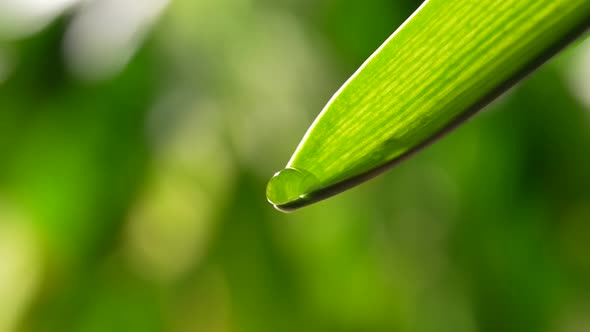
446	61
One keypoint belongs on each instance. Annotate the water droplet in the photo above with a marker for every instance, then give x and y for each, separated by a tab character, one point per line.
290	185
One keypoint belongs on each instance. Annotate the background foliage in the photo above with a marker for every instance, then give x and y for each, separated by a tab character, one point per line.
136	139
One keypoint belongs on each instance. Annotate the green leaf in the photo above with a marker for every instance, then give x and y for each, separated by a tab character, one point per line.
448	60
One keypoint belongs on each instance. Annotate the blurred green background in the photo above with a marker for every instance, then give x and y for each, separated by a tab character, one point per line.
137	137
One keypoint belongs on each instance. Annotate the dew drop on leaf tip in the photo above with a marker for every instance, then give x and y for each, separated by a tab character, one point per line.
289	185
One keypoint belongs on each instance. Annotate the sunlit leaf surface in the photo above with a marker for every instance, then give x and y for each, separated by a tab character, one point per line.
448	60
